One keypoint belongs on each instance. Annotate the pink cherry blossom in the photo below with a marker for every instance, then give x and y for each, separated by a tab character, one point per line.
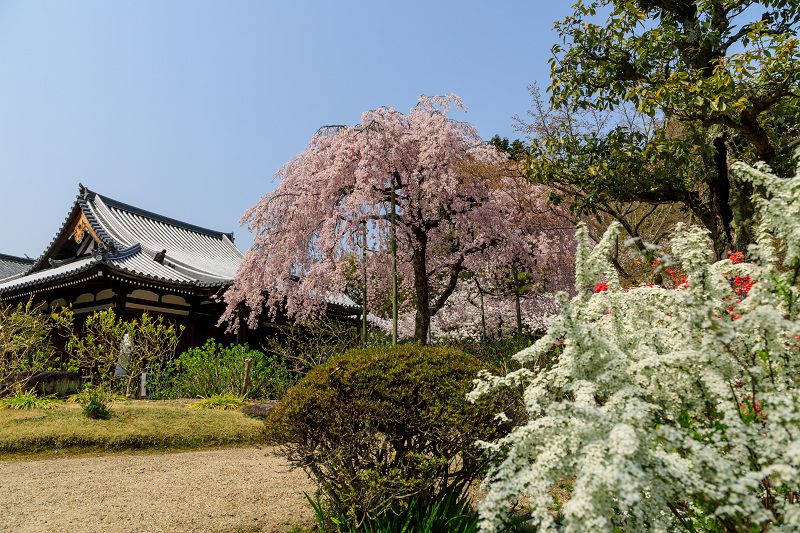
449	220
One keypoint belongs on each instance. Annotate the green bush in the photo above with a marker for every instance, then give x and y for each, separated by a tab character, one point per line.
95	400
380	425
106	341
215	369
25	343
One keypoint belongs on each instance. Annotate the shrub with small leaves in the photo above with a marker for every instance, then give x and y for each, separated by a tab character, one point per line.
25	343
95	400
106	342
380	425
216	369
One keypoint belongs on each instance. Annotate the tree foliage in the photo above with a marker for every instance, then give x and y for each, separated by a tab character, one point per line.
682	58
598	167
724	74
340	187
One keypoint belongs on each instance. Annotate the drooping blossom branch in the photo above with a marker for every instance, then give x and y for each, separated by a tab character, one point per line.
313	222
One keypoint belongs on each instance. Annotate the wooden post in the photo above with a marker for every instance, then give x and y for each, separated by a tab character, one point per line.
246	383
516	300
364	291
483	315
394	267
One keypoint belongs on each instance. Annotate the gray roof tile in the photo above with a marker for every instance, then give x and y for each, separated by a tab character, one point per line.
12	267
133	238
49	274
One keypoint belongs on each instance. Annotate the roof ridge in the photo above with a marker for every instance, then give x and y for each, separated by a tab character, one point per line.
91	217
110	202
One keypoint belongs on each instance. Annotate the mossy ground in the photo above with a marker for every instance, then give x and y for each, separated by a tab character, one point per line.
133	425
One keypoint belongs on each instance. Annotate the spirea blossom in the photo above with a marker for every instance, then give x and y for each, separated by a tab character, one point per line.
664	404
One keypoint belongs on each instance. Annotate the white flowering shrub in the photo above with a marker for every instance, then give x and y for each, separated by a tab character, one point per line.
671	409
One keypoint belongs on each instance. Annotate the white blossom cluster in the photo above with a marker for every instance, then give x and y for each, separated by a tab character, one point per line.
460	317
667	404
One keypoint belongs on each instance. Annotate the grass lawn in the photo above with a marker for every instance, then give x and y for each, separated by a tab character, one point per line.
134	425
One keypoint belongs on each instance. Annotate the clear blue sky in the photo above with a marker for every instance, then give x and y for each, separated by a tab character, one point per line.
188	108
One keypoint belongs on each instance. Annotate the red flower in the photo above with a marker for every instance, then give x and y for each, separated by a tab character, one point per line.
744	283
600	287
736	257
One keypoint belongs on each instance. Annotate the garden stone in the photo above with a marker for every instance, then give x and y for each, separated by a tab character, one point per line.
10	382
58	383
259	409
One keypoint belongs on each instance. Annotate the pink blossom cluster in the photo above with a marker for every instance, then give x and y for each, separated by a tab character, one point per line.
310	230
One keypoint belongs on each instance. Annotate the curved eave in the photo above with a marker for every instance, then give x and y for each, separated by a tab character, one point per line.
130	273
79	205
109	241
55	278
341	310
74	274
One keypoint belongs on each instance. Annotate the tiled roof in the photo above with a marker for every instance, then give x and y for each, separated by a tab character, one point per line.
142	244
193	255
342	299
134	240
12	267
50	274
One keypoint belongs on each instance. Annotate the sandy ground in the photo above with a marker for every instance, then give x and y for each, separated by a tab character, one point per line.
239	490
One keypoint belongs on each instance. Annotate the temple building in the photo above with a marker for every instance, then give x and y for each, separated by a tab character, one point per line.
108	254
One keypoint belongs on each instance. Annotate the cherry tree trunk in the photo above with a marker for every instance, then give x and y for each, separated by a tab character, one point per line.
516	300
422	322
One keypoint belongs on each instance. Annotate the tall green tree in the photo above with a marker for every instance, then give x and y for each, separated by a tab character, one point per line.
725	74
618	165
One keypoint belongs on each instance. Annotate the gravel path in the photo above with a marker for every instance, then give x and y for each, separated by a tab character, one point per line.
229	490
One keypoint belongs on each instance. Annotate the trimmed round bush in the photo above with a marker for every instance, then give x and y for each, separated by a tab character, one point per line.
383	424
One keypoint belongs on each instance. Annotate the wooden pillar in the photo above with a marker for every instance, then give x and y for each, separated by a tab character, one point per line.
122	297
191	328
